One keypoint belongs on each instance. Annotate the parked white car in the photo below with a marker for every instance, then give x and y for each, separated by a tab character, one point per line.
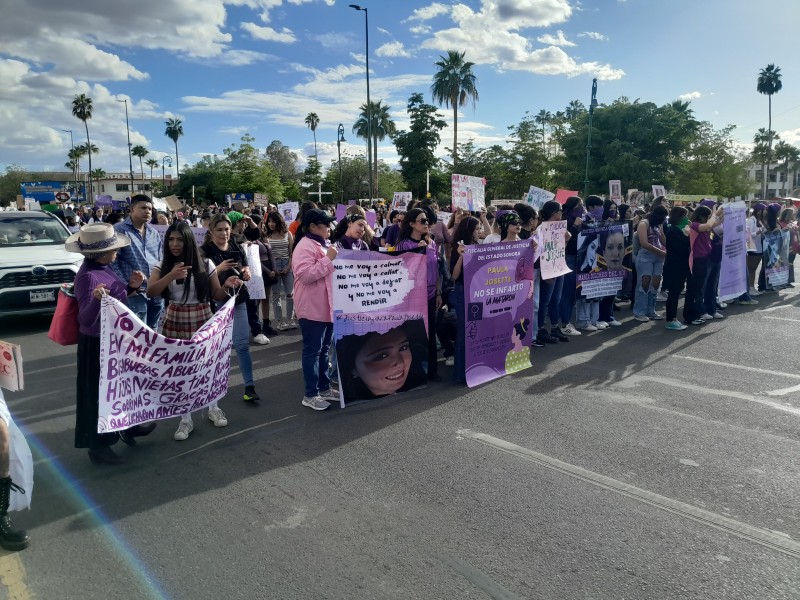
33	262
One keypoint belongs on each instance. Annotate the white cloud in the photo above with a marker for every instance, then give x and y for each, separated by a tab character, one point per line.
555	40
237	131
429	12
420	30
268	34
393	49
492	39
690	96
384	31
336	40
594	35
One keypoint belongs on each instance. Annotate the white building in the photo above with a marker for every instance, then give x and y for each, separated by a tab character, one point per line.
778	185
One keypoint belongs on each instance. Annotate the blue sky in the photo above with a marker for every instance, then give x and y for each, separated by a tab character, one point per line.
259	66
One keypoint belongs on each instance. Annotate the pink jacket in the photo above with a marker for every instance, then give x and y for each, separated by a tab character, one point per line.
313	282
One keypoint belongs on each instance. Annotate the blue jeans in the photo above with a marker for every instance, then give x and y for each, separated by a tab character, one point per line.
147	309
316	344
537	290
712	284
241	342
549	299
647	265
460	358
588	312
283	289
567	301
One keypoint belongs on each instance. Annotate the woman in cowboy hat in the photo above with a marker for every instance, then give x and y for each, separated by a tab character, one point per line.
98	242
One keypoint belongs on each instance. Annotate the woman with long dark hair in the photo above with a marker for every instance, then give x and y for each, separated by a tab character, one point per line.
550	289
184	279
649	263
282	242
755	251
702	222
466	233
415	233
677	273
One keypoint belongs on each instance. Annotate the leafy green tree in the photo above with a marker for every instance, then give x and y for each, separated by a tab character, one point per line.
454	84
382	127
312	120
769	83
174	131
82	109
312	176
283	160
140	152
416	147
10	182
786	153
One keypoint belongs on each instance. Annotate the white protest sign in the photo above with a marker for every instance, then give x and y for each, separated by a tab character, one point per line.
401	200
443	217
536	197
289	210
11	367
468	192
145	376
615	190
360	286
552	249
255	285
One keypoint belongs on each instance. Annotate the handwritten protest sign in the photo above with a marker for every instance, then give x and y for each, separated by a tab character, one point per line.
498	289
380	315
255	285
401	200
733	271
552	249
289	210
536	197
604	257
468	192
145	376
11	376
443	217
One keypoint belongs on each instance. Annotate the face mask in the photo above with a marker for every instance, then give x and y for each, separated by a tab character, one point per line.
578	213
683	223
596	213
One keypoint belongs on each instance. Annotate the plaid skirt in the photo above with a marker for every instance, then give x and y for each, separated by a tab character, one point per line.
183	320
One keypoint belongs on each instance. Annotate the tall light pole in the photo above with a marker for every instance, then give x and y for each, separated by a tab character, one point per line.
168	159
130	156
592	106
369	105
74	168
339	140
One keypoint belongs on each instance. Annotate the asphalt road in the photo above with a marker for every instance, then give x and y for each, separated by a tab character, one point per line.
630	463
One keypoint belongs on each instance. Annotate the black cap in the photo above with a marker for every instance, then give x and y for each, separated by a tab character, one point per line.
316	216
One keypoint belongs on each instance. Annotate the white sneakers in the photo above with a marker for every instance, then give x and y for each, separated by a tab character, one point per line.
184	429
754	292
569	329
261	339
216	416
315	403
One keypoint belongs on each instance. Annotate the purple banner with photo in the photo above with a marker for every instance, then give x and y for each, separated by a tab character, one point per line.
733	271
603	259
498	290
380	316
776	258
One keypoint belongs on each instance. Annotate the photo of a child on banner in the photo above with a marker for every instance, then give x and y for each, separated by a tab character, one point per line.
380	323
145	376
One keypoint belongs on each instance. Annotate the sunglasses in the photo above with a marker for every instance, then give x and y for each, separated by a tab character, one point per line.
422	221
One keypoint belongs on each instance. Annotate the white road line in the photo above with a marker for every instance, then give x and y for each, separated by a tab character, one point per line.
227	437
782	319
733	366
769	539
634	380
478	578
784	391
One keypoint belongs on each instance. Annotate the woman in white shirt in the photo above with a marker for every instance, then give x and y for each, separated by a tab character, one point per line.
755	251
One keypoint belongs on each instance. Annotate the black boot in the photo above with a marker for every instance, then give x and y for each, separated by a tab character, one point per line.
11	538
266	327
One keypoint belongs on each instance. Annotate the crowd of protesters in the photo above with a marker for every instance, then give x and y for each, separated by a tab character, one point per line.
676	251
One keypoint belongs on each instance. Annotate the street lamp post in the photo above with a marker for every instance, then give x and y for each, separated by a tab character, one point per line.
168	159
369	105
339	140
130	156
74	169
592	106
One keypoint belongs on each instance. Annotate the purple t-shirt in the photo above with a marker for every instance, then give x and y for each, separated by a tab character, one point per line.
431	260
89	276
702	242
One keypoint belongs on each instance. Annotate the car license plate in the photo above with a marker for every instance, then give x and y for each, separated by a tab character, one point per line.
45	296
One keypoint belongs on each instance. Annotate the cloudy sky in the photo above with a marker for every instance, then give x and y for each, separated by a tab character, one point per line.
226	67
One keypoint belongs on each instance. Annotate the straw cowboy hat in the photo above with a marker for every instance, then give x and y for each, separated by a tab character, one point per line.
97	238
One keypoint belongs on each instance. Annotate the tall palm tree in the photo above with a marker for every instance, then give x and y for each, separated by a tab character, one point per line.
98	174
543	118
152	163
761	153
312	120
788	154
174	131
82	109
769	83
382	127
140	152
453	85
574	109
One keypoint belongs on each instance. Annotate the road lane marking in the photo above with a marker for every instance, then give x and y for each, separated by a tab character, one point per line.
634	380
227	437
782	319
12	576
477	578
784	391
769	539
733	366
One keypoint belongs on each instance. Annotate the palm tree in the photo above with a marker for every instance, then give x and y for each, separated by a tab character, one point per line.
312	120
174	131
788	154
543	118
153	164
382	127
761	153
574	109
769	83
97	174
140	152
453	85
82	109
